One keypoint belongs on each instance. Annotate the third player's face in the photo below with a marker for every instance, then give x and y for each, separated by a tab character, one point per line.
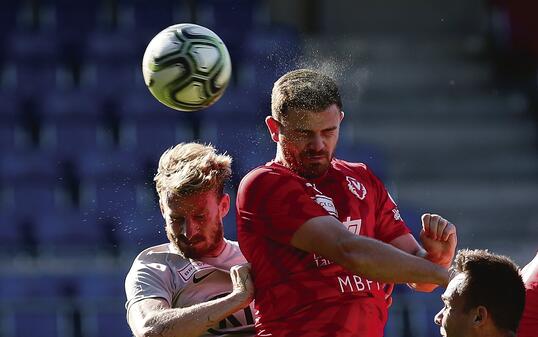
453	320
308	140
194	223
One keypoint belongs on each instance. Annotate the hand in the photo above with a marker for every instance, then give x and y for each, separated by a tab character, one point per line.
243	288
438	237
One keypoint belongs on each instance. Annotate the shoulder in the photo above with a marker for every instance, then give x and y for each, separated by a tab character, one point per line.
343	165
160	258
269	175
357	170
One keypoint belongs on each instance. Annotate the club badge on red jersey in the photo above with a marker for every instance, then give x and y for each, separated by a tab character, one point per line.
356	187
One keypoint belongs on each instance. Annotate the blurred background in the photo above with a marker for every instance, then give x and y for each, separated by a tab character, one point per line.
440	100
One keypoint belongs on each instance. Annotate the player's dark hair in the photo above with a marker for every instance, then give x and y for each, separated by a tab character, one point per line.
492	281
303	89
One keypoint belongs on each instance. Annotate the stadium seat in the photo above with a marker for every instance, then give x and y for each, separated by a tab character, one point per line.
33	47
145	19
37	303
31	78
115	48
72	123
102	296
32	197
368	154
149	127
10	235
249	144
68	232
111	80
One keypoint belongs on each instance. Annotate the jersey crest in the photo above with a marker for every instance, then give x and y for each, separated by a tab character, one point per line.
356	187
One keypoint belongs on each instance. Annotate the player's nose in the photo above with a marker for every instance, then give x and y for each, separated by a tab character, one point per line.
317	143
439	317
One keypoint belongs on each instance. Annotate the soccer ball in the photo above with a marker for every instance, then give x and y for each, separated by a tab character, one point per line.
186	67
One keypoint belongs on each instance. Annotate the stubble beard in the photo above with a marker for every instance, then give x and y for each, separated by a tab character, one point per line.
187	251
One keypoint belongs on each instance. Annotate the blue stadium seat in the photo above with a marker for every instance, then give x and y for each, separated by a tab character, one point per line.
249	144
368	154
149	127
68	232
27	166
32	78
111	80
33	47
146	19
32	197
72	123
120	165
36	304
114	48
10	235
102	296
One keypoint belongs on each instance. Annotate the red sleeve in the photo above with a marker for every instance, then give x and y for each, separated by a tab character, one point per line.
274	204
390	224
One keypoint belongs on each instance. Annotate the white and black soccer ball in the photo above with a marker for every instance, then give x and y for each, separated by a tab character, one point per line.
186	67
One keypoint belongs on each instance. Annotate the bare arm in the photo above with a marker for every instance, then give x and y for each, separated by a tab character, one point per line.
153	317
371	258
439	239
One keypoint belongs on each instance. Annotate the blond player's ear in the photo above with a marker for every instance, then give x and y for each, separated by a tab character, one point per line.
273	127
224	205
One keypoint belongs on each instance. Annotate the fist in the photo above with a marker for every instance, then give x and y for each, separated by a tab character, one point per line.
243	288
439	239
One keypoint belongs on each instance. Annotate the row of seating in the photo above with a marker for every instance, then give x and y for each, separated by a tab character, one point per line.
47	304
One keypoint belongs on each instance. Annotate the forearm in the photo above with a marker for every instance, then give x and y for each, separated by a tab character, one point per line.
382	262
426	287
194	320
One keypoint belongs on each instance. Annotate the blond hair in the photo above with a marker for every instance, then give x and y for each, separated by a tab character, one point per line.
189	168
303	89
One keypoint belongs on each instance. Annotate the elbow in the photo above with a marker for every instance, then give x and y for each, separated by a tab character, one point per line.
148	328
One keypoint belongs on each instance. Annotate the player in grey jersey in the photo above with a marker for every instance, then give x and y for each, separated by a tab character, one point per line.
198	284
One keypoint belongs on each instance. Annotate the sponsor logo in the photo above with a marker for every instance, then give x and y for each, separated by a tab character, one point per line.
356	187
200	279
189	270
324	201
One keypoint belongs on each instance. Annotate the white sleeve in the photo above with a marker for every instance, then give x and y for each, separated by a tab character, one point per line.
148	280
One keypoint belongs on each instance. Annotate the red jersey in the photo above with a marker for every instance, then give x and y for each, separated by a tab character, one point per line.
299	293
528	327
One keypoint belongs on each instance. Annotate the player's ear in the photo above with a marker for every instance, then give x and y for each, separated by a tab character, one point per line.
342	114
480	316
273	127
224	205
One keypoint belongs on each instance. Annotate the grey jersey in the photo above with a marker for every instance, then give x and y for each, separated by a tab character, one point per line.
159	272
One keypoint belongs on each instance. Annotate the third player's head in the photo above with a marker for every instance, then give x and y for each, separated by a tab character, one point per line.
484	298
190	183
306	111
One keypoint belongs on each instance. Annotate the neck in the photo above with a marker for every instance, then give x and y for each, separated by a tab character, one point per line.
219	248
279	158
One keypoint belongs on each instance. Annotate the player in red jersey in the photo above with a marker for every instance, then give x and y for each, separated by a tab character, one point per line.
324	237
485	297
528	327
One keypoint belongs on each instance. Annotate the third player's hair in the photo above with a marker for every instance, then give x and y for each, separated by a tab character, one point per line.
189	168
492	281
303	89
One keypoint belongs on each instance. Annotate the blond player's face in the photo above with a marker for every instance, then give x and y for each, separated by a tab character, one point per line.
194	223
308	140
